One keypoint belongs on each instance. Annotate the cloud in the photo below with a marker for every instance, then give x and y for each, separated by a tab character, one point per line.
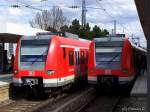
36	0
124	11
15	11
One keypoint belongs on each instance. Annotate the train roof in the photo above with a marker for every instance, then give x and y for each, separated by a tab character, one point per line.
111	37
104	39
49	35
39	36
63	40
138	48
74	42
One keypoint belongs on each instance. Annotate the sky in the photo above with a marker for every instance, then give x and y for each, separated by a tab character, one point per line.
99	12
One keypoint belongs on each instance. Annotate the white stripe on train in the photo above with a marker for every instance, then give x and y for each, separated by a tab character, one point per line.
53	82
68	46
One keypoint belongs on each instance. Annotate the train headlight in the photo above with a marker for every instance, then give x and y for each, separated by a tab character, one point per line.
15	72
91	70
125	70
49	72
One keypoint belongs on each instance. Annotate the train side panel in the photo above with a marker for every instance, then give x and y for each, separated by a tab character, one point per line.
92	77
128	73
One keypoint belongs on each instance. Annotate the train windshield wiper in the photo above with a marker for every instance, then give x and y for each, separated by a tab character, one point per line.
113	58
38	57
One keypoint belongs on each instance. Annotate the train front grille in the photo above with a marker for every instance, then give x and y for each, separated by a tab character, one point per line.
31	81
107	79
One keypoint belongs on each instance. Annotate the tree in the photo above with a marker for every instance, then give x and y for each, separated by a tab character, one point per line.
51	20
84	31
96	31
87	27
75	27
64	29
106	32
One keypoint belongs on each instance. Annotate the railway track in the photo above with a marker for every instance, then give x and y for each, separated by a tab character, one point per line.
115	104
102	104
84	100
132	104
23	105
71	103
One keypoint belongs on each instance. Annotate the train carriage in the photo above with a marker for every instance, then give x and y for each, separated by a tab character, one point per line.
50	61
112	62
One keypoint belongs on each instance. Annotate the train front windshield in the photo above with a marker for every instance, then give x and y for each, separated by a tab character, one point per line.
108	54
33	54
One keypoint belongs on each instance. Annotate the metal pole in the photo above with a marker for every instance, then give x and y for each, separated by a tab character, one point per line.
123	30
83	13
115	27
3	45
147	5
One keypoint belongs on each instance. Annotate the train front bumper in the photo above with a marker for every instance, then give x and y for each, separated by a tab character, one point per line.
120	80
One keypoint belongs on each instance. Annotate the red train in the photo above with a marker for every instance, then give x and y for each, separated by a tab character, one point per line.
48	61
112	62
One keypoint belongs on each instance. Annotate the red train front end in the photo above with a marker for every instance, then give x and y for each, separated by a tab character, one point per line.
31	59
111	61
49	62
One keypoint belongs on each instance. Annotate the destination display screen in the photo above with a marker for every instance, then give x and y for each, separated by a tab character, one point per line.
108	49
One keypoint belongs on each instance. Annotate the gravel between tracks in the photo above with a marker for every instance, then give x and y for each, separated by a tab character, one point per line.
71	103
131	104
24	105
101	104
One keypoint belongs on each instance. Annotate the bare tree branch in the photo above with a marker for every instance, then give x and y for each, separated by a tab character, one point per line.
46	20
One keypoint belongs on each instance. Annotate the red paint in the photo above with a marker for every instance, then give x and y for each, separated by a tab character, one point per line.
55	59
127	62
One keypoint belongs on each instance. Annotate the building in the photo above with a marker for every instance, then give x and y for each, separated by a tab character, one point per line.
9	35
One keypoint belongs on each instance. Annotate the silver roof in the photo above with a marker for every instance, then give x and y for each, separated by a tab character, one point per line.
105	39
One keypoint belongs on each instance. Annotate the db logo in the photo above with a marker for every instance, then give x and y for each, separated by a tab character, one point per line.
107	71
31	73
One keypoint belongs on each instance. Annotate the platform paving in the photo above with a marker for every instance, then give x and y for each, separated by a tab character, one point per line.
5	79
140	86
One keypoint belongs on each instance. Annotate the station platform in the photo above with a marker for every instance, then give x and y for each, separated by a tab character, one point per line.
140	86
5	79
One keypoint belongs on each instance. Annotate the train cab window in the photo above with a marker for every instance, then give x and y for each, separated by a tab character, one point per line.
34	53
108	54
64	53
71	58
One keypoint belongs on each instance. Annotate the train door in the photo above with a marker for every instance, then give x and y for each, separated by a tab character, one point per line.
77	62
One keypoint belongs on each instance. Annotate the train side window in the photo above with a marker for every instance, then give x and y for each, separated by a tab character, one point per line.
82	58
71	58
64	53
87	56
78	58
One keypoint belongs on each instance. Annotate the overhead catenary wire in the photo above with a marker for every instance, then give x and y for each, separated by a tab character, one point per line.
20	4
117	7
24	4
131	34
113	17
